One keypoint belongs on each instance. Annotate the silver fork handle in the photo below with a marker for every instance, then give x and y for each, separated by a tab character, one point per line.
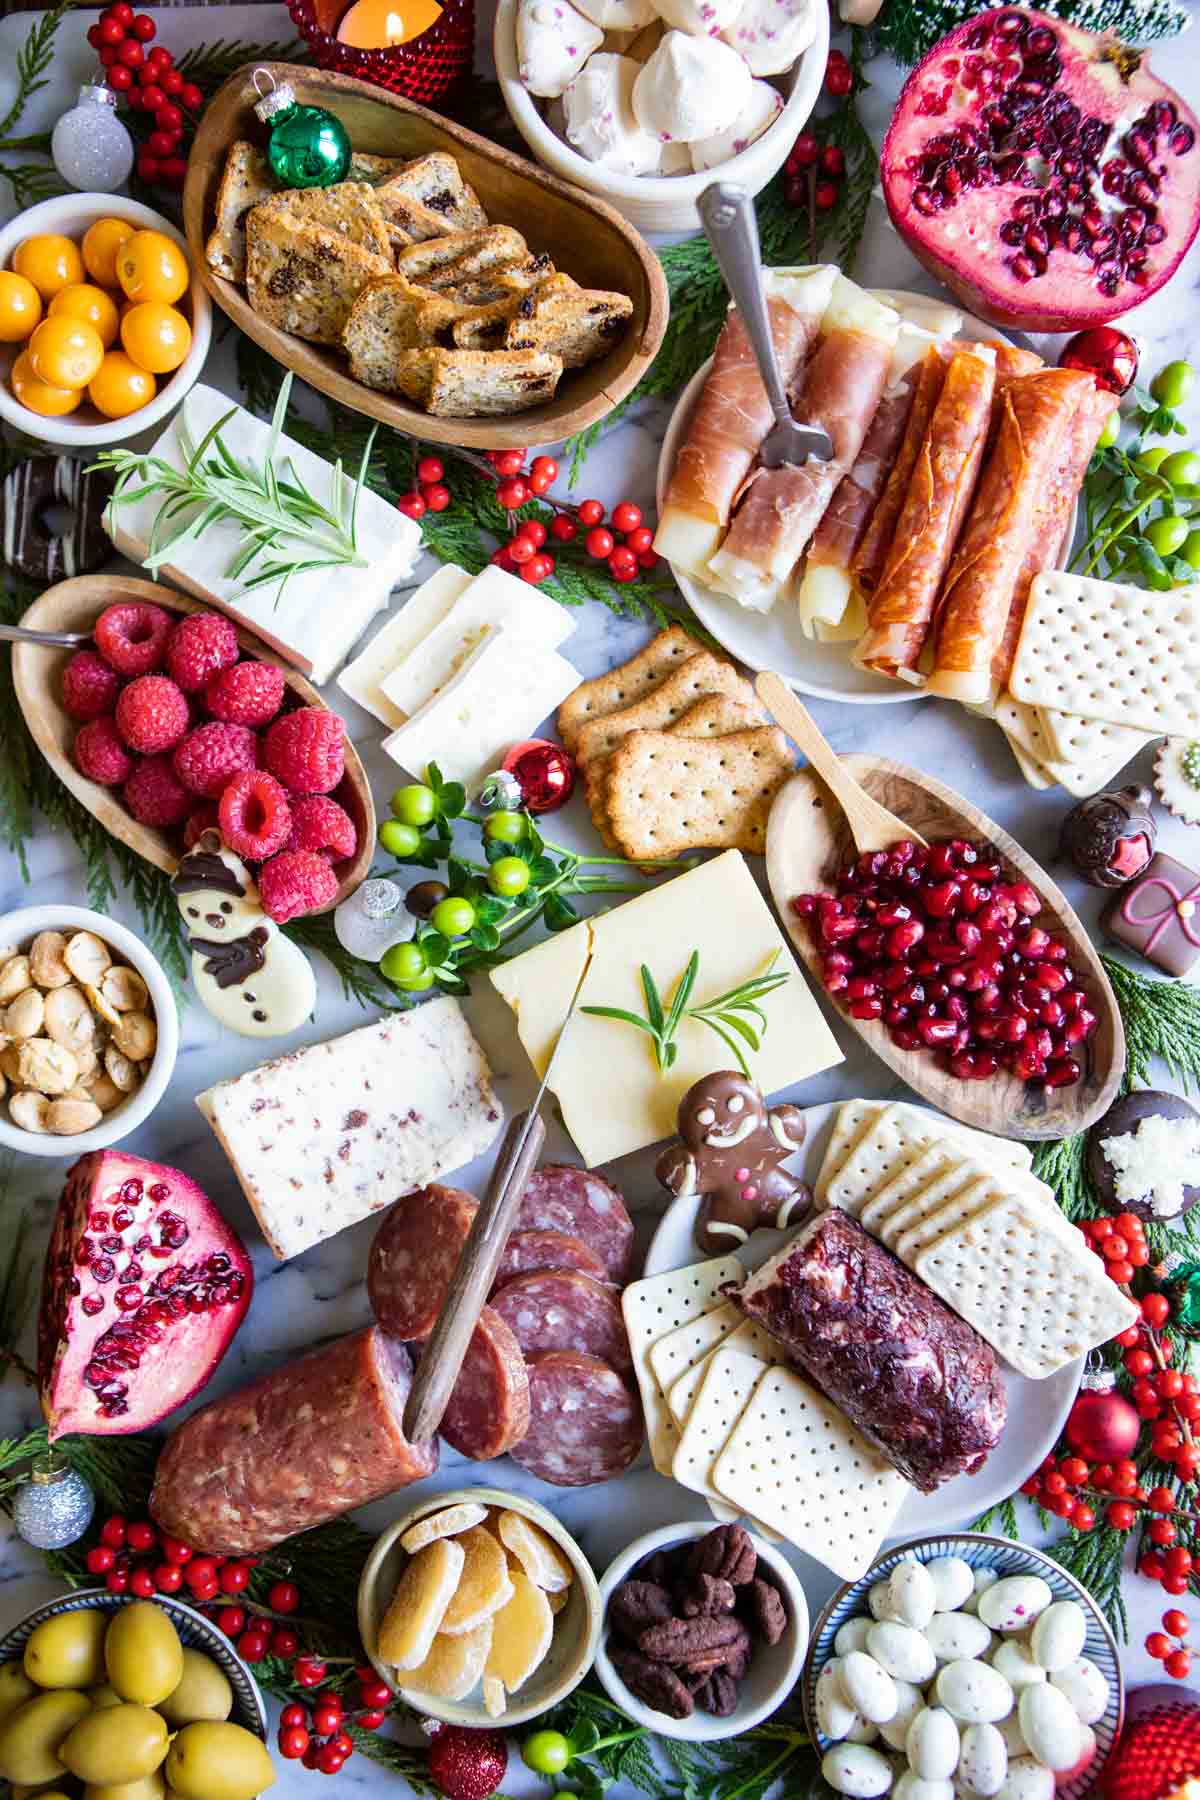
65	640
730	224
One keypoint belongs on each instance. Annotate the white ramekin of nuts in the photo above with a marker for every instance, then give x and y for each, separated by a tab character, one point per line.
88	1031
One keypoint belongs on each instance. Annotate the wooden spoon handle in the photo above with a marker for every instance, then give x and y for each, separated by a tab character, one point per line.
442	1357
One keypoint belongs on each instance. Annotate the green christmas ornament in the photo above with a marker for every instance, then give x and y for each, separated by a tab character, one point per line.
308	146
1183	1291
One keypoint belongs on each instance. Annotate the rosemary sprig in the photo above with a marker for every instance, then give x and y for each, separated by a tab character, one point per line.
735	1016
287	531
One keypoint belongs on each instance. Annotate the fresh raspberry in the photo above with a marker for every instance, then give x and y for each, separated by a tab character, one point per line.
200	646
467	1765
89	686
153	793
152	714
250	693
131	636
256	819
212	754
295	882
319	823
202	818
100	754
304	750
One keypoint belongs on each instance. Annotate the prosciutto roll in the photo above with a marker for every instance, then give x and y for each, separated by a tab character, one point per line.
943	483
733	417
866	566
782	507
1036	414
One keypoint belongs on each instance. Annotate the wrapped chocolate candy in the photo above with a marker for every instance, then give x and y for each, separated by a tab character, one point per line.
1109	838
1158	916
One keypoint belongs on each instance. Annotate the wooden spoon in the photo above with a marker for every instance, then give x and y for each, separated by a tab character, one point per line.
872	826
37	672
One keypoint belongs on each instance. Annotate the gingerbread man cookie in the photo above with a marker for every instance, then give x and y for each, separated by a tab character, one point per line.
247	973
730	1148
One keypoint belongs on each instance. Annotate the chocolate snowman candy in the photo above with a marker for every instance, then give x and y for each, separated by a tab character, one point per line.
730	1149
248	974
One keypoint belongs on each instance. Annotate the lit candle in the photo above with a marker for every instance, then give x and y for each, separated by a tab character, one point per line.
381	24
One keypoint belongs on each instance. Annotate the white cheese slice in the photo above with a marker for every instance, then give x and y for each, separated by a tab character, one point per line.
493	599
501	693
404	631
323	612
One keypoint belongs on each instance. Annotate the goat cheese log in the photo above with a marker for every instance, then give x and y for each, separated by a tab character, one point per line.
296	1448
917	1381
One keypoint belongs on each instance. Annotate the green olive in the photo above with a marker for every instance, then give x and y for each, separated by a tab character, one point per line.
118	1744
15	1687
104	1695
31	1736
203	1692
147	1787
210	1761
143	1654
67	1651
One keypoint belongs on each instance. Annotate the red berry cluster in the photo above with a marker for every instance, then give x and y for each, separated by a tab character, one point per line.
149	83
1051	1487
839	76
813	170
1122	1244
1175	1659
316	1735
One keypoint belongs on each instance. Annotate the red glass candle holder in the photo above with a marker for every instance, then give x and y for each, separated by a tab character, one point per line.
423	69
1158	1757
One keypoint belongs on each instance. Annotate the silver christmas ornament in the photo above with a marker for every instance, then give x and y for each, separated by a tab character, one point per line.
501	792
55	1506
91	148
372	919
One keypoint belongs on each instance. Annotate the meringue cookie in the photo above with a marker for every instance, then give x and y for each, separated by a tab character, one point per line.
702	18
553	43
690	88
771	34
676	159
763	108
618	15
598	107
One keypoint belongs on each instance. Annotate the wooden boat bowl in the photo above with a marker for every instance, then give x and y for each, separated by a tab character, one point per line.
585	237
808	841
37	671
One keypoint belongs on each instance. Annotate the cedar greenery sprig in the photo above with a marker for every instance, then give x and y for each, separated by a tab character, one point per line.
908	31
35	181
736	1017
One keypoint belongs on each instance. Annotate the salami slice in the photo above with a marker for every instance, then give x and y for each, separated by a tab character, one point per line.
489	1407
584	1423
527	1252
294	1449
413	1258
559	1310
561	1197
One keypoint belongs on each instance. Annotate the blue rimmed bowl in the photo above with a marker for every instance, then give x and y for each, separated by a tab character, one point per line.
195	1633
1006	1558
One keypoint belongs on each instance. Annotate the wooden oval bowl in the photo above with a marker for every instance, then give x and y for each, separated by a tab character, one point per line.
808	840
585	237
37	669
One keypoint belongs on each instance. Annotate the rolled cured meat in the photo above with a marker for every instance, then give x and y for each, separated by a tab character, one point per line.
866	566
1036	414
916	1379
943	483
733	416
297	1447
824	592
782	507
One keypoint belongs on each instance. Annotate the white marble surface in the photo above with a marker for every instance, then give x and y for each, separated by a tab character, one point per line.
320	1295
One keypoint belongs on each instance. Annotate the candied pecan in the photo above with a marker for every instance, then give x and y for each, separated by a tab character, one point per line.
717	1694
762	1604
704	1594
726	1552
661	1566
695	1643
636	1605
653	1683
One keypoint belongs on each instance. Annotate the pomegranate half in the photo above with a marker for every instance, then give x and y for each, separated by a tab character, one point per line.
143	1288
1043	173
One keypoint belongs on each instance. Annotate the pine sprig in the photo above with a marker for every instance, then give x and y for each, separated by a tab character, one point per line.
908	31
211	65
1096	1559
32	181
1162	1020
360	980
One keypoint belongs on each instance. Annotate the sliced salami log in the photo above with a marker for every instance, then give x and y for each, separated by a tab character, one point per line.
584	1423
489	1407
413	1258
526	1252
294	1449
560	1197
559	1310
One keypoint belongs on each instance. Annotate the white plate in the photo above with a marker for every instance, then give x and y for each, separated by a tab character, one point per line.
1037	1410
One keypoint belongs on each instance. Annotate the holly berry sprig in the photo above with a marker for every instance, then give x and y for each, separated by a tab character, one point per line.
1175	1656
148	82
316	1735
618	539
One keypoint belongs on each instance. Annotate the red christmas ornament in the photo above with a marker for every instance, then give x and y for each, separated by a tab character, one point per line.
1102	1426
1107	354
1160	1748
545	771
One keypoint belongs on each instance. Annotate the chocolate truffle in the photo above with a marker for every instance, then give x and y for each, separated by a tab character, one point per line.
1109	838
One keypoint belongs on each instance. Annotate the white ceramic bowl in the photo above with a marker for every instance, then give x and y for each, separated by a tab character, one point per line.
19	928
70	215
662	203
774	1668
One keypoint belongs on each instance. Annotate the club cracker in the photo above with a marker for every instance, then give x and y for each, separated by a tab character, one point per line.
949	1200
701	674
1022	725
711	716
652	1308
625	684
665	795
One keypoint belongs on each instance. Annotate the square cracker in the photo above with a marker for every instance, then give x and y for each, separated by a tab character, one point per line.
750	1337
1036	774
1106	650
1032	1288
729	1379
1084	755
665	795
713	715
894	1140
628	682
794	1461
681	1349
854	1119
651	1308
892	1200
950	1200
1022	724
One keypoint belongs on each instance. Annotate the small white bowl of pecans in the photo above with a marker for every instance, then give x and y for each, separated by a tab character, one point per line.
88	1031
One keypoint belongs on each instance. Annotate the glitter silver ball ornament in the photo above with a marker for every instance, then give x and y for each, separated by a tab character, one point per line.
55	1506
501	792
90	146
